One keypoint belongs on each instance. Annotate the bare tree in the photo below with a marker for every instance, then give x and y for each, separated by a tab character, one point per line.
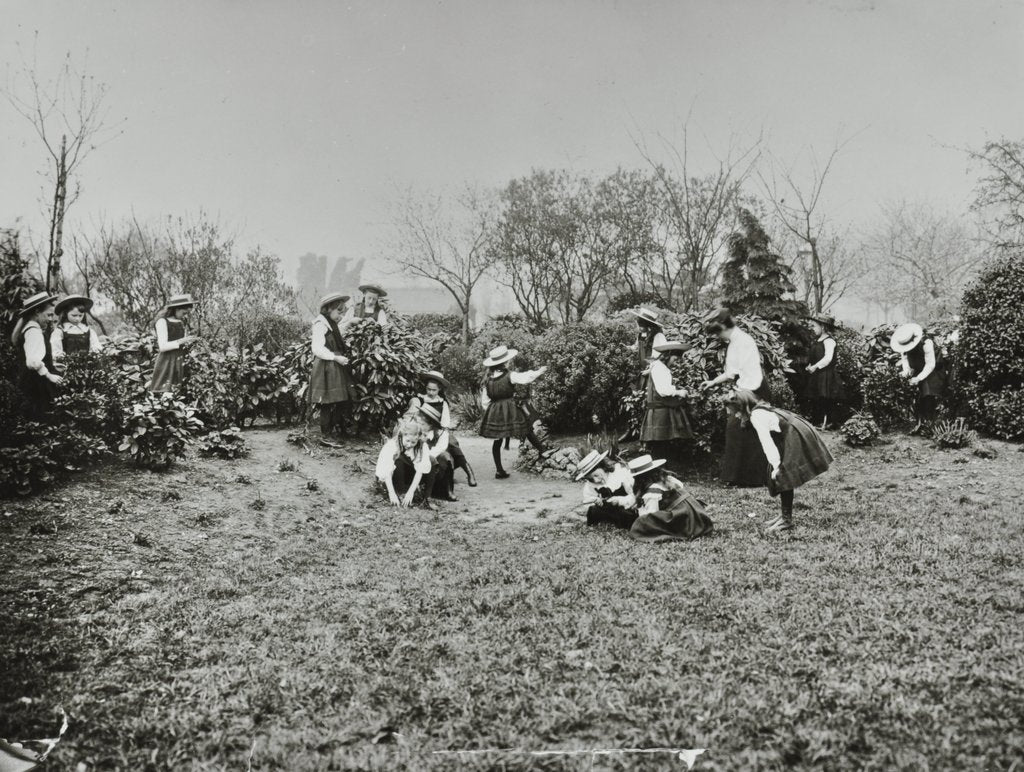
701	209
445	240
822	265
1000	191
68	115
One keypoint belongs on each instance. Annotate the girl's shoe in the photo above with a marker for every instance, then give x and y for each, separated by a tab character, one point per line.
501	475
778	525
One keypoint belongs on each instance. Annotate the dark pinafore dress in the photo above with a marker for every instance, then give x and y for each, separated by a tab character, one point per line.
680	516
359	312
743	461
75	342
644	349
38	389
503	417
169	368
935	383
454	449
441	482
804	454
665	418
330	382
824	383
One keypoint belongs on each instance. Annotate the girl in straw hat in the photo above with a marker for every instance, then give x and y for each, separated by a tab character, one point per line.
920	364
404	464
667	511
171	344
503	416
39	383
438	438
665	419
824	387
608	490
793	448
73	335
331	383
370	306
648	334
435	388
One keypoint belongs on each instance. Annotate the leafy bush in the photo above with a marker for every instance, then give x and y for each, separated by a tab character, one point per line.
888	396
449	325
467	409
232	387
158	429
460	368
860	430
226	443
37	453
631	299
512	331
953	433
992	346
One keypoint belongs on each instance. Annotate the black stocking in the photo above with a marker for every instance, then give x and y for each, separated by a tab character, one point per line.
496	452
535	441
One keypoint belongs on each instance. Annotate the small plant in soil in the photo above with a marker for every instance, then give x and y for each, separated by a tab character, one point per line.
312	485
953	434
286	466
860	430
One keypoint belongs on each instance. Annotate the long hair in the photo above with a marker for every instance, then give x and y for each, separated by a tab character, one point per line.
742	401
409	423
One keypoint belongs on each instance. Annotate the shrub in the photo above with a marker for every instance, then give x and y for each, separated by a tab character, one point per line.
512	331
226	443
860	430
634	299
38	453
460	368
888	396
229	388
992	346
448	325
158	429
953	434
467	409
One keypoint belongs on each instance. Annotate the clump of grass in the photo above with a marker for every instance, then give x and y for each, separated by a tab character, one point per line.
243	479
312	485
171	495
953	434
286	466
140	539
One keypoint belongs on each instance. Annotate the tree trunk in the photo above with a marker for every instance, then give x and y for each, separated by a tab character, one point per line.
465	322
57	218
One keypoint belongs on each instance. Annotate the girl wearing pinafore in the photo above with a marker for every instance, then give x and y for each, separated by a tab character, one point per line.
72	335
793	448
667	511
370	306
503	416
435	387
331	383
172	342
920	363
438	436
608	490
665	419
39	383
825	388
405	466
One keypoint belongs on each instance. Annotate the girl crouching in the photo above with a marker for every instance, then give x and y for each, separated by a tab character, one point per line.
667	510
404	464
608	490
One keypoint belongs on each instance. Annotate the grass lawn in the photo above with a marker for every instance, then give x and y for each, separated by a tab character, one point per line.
234	615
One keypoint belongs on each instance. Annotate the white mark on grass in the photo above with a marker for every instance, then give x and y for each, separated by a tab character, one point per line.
687	755
252	752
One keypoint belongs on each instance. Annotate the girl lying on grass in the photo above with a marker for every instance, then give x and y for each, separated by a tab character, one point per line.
795	451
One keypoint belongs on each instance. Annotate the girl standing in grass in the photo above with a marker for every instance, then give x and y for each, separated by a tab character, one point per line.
73	335
795	451
404	464
331	383
824	386
435	388
39	383
919	360
665	420
667	511
503	417
171	344
608	489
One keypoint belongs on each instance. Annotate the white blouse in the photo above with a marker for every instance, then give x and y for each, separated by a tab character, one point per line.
929	361
321	326
386	461
517	377
661	376
35	348
743	361
765	422
162	344
619	477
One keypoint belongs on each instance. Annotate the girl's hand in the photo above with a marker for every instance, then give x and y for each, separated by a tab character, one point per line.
811	368
341	360
775	473
705	385
393	497
407	501
914	381
542	369
55	379
682	393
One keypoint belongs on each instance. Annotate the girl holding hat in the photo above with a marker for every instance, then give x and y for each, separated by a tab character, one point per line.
743	461
404	464
824	387
503	416
331	384
38	380
438	437
665	419
608	490
435	387
72	335
667	510
370	306
794	450
171	344
919	361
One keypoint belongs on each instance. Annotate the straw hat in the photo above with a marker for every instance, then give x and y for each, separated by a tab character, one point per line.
643	464
589	463
180	301
434	375
332	297
500	356
646	315
374	288
823	319
671	345
433	414
35	302
74	300
906	337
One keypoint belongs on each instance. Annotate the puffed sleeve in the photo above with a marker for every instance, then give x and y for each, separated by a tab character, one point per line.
651	499
35	349
524	377
319	342
764	423
929	360
446	415
386	460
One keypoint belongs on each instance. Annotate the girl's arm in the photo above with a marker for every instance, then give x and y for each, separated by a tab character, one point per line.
484	399
318	343
416	480
35	350
825	361
446	415
651	501
905	365
57	342
162	344
527	376
440	447
929	362
662	378
763	424
589	493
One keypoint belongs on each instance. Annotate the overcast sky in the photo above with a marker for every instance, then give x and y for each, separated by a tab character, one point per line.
296	121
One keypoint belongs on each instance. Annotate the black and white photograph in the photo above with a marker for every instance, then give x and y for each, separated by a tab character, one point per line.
580	385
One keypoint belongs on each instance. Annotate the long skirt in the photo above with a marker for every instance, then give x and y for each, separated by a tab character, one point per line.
168	371
504	418
331	382
825	384
743	461
803	452
39	393
662	423
686	520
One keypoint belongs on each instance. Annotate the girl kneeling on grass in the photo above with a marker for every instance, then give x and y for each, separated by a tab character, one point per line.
435	388
405	465
608	489
667	510
795	451
503	416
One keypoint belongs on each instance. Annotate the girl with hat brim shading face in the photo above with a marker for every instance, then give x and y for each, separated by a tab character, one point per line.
72	335
504	416
743	462
667	511
331	383
435	388
824	387
438	437
665	420
608	489
171	344
39	381
369	307
648	334
794	450
404	464
920	363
